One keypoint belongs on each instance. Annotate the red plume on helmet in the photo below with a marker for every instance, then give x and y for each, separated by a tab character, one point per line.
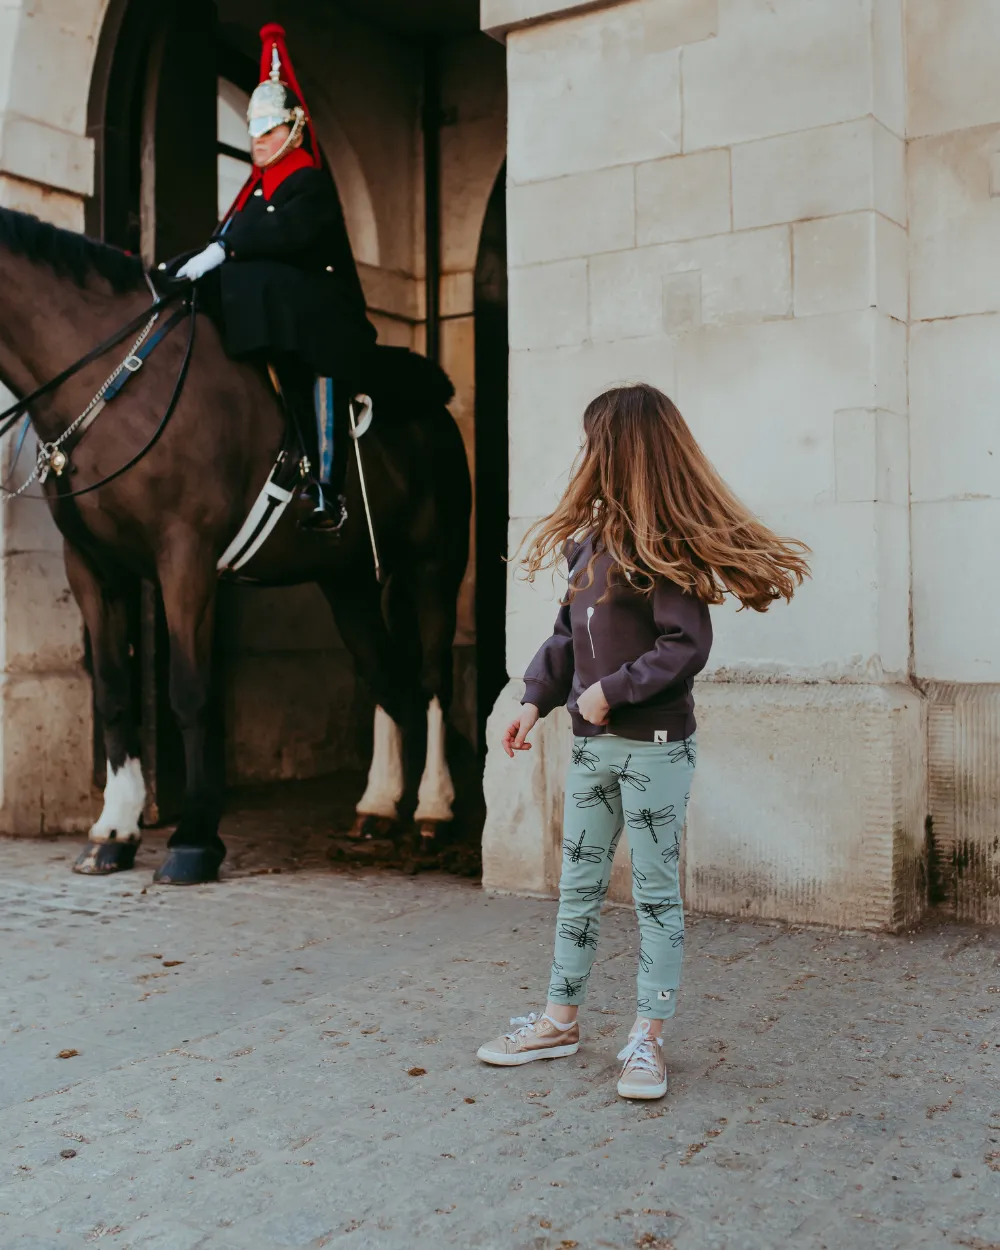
276	66
272	38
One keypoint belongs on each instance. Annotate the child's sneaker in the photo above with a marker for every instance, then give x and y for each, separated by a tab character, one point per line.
645	1072
532	1037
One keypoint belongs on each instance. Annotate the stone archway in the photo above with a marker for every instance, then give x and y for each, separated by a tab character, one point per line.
362	70
46	168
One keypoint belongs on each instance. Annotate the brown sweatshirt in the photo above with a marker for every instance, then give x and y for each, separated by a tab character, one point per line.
644	650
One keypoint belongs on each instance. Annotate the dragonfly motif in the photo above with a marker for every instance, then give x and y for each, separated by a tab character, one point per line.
597	795
646	819
638	877
638	781
591	893
672	854
645	961
584	758
614	842
677	938
643	1004
684	751
579	935
569	987
577	853
655	910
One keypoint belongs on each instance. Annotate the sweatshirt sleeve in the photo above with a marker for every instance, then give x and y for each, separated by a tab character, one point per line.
549	677
681	651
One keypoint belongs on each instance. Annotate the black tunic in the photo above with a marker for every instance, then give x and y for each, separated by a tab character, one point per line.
289	285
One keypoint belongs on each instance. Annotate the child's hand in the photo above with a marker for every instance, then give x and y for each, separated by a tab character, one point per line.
515	739
593	706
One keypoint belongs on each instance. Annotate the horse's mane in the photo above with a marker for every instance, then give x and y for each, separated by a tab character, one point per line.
69	254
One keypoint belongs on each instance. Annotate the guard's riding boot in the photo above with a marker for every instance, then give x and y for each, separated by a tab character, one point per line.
323	509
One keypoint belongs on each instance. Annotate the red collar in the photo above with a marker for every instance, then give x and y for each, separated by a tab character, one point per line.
276	174
270	179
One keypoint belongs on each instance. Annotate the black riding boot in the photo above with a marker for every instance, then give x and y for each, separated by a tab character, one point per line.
298	392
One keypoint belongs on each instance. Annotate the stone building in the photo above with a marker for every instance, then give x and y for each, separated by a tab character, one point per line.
783	212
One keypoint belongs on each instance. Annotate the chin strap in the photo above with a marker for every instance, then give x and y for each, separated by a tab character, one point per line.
297	127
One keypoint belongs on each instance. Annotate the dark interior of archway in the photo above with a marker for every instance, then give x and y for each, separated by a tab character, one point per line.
124	92
491	455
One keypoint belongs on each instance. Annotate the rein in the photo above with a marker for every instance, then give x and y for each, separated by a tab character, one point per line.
51	457
9	416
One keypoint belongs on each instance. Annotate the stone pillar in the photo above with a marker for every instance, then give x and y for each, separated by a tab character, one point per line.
954	193
712	198
46	168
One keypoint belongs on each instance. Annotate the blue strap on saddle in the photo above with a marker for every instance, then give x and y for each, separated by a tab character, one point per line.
324	428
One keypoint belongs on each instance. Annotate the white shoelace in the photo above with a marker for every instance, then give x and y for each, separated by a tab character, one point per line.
640	1051
522	1026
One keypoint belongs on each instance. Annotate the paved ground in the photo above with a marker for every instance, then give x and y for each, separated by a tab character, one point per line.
288	1061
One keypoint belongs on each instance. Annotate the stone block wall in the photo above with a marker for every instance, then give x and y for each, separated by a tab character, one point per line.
717	203
954	202
46	167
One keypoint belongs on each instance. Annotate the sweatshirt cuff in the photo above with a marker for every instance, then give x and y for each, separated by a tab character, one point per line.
542	696
617	689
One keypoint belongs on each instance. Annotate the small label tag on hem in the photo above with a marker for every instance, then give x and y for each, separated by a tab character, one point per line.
660	736
664	996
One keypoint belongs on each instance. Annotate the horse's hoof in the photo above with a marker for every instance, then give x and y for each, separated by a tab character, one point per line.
189	865
99	859
428	830
372	828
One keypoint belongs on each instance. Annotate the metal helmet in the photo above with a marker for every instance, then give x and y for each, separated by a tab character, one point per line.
274	104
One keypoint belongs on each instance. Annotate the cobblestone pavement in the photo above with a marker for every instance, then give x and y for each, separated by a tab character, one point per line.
288	1061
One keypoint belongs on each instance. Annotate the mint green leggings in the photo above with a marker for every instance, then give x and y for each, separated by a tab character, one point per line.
614	783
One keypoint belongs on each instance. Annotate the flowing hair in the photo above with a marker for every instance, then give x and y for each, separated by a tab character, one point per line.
645	492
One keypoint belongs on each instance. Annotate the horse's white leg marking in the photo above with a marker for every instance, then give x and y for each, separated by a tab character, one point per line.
437	791
124	798
385	777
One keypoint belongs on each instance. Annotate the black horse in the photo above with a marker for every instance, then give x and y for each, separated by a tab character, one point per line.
171	516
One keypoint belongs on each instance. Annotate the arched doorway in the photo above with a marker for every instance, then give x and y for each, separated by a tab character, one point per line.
492	506
410	112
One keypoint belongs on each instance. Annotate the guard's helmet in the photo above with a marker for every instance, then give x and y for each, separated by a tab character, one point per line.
277	101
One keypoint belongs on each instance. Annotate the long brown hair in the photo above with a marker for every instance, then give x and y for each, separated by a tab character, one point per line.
644	490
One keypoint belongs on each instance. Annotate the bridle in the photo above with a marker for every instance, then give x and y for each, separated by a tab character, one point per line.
53	456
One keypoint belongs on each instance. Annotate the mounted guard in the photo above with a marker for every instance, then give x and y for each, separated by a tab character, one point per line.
154	446
288	292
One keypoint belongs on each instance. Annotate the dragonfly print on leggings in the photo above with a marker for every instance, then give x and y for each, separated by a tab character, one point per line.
567	987
581	935
655	910
629	777
592	893
651	820
684	751
597	796
672	853
579	852
583	757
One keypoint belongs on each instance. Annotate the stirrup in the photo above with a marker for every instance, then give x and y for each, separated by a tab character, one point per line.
322	518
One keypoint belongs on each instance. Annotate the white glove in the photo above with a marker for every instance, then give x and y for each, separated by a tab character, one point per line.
203	263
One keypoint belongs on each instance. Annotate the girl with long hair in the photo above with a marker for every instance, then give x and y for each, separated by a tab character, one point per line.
652	537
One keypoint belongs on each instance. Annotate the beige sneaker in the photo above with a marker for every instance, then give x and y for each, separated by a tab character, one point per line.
532	1037
645	1072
